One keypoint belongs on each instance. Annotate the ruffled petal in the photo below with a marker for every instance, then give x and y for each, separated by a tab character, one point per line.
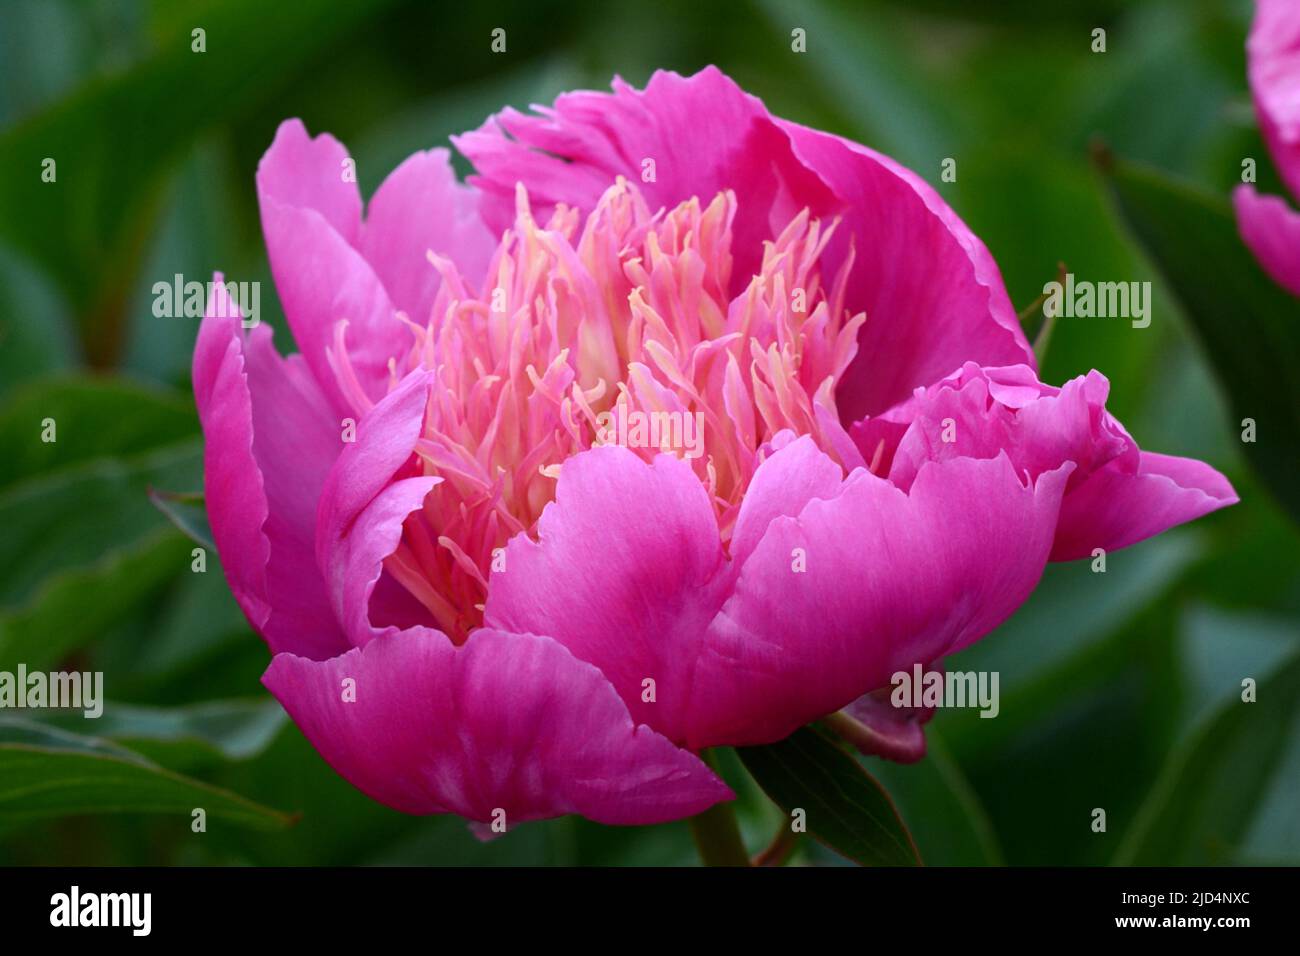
1119	505
509	722
1117	495
704	134
981	412
269	443
856	587
932	293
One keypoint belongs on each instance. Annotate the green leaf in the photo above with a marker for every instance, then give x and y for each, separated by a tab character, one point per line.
83	548
234	729
82	515
337	824
45	772
943	812
75	607
1217	648
1249	326
846	808
1082	611
88	227
186	511
35	326
198	619
1202	807
92	418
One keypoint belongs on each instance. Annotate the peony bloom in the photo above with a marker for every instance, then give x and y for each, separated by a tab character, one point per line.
1268	225
488	584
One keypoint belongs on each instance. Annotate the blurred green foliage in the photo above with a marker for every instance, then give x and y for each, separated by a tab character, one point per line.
1118	689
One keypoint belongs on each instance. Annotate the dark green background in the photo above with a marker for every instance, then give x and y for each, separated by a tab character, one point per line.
1119	690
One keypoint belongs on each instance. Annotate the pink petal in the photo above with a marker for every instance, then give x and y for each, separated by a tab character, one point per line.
1272	231
508	721
269	444
418	208
1058	425
356	557
305	173
366	497
931	291
1116	495
890	579
879	729
319	275
782	486
1117	505
1273	65
626	573
704	133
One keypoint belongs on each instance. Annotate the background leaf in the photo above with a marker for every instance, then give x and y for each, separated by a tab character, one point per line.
114	140
846	808
48	773
1250	327
940	808
1201	808
230	729
187	512
93	418
76	606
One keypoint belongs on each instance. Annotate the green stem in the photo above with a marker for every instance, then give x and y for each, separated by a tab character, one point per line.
716	833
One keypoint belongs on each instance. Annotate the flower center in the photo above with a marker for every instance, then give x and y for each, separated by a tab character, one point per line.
620	331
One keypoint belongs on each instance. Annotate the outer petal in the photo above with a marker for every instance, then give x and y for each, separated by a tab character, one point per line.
508	721
932	294
1117	506
1273	64
269	444
627	572
890	579
1117	495
1272	231
421	207
309	224
306	173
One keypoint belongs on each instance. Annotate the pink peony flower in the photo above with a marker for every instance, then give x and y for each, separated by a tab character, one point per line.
497	597
1267	224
